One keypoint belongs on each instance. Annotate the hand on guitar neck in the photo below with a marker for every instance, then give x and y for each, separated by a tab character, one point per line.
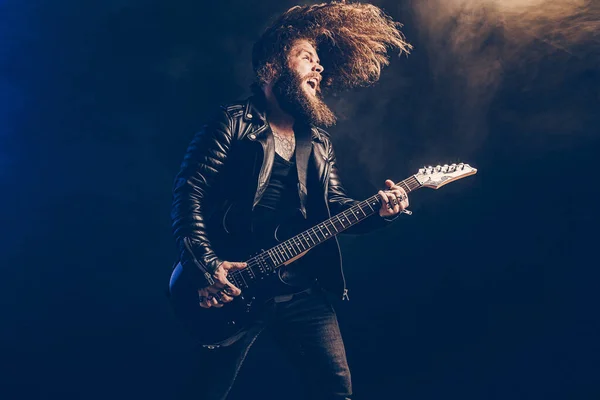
222	291
393	200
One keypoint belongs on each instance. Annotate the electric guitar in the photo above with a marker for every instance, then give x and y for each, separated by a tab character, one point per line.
214	327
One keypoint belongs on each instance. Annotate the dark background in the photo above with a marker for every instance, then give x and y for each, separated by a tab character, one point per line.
489	291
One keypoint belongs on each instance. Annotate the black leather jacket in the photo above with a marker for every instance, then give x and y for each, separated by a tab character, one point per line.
228	165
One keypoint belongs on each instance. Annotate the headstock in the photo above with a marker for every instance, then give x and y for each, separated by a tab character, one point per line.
438	176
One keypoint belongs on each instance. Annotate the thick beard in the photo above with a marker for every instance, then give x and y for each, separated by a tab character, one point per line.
303	106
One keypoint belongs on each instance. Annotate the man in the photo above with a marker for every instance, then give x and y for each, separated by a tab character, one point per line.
260	160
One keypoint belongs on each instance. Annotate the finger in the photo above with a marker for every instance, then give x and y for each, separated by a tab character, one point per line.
232	290
214	289
225	298
384	200
398	193
213	301
404	203
204	302
389	183
399	189
397	208
235	266
398	196
239	265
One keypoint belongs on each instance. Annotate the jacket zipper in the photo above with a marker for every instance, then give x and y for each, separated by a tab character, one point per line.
327	165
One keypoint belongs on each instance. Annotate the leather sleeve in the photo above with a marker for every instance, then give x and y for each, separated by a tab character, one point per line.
194	192
340	201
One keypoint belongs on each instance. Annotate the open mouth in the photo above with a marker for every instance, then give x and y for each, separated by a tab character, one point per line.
312	83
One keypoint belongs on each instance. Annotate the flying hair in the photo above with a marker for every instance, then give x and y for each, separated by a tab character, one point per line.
353	41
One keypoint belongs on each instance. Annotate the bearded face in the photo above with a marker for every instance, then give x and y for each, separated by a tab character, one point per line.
301	96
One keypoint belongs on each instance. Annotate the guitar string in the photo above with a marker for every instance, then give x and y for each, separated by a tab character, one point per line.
411	183
298	237
257	260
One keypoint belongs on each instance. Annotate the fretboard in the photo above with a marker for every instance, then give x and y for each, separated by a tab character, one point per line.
266	262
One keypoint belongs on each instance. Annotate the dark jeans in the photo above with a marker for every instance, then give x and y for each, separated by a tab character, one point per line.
306	328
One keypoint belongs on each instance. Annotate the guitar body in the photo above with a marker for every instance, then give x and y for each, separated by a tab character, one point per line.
223	326
210	326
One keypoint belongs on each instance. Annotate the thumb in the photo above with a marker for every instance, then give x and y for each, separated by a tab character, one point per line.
389	183
238	265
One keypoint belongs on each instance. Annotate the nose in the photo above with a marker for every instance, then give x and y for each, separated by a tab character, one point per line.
318	68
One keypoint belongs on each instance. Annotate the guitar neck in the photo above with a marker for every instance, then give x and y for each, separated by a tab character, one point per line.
267	261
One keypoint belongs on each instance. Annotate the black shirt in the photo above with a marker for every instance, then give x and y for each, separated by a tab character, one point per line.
278	203
280	198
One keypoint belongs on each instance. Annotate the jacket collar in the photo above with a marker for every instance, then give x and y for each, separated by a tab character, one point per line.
255	115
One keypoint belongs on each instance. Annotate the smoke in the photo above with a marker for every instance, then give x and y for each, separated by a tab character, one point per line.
475	42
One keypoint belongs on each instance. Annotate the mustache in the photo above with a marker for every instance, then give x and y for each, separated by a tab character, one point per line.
315	75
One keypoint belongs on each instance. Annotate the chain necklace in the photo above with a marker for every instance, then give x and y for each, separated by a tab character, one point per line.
284	146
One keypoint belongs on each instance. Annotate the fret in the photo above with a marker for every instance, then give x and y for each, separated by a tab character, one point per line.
306	244
360	207
284	255
277	251
296	241
322	234
405	186
288	245
356	214
312	234
337	225
350	214
271	257
375	202
326	228
310	237
328	233
334	226
345	218
341	223
372	209
295	249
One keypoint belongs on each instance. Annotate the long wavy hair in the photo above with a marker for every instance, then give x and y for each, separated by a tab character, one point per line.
352	39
